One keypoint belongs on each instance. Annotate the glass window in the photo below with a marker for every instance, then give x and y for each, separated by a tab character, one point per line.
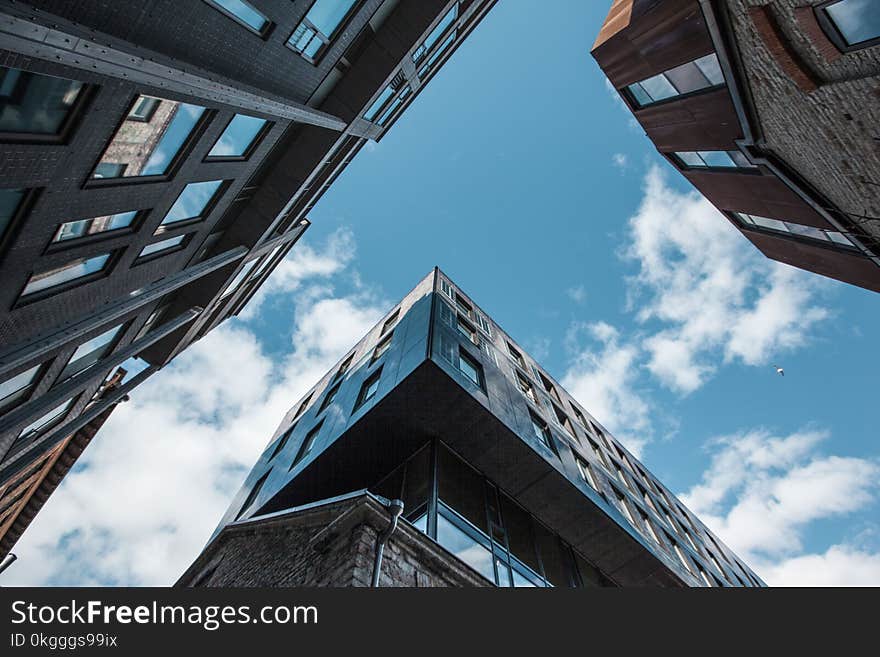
379	103
319	26
791	228
282	442
713	159
164	245
470	367
329	397
557	567
10	202
193	202
520	533
517	357
391	321
369	388
466	329
308	445
45	422
149	146
586	473
703	73
244	13
71	271
239	277
304	405
540	430
253	494
11	390
858	21
434	58
462	488
35	105
436	33
526	387
381	348
343	368
239	137
465	547
83	227
89	353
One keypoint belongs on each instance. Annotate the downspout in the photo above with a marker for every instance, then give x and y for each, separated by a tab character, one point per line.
396	508
8	561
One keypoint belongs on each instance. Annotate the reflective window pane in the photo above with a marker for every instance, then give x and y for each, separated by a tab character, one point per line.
857	20
469	368
70	271
31	103
462	488
148	147
464	547
164	245
238	137
436	33
659	87
371	113
690	159
244	12
711	68
326	15
46	421
13	388
687	78
89	353
10	201
717	159
639	93
83	227
192	201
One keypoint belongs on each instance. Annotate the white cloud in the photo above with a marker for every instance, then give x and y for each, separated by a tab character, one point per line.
704	290
602	375
149	490
620	160
762	492
577	293
840	565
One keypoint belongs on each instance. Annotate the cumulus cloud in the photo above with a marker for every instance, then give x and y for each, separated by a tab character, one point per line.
577	293
762	492
146	495
620	160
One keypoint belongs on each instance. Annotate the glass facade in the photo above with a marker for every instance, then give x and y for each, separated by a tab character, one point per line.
35	105
12	390
243	12
790	228
43	424
857	21
89	353
480	525
148	144
317	29
713	160
700	74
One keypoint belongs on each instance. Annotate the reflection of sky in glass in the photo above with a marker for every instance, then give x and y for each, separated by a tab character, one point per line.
192	201
462	546
74	229
244	12
70	271
33	103
47	419
161	246
86	348
326	15
180	127
17	382
238	136
857	20
9	201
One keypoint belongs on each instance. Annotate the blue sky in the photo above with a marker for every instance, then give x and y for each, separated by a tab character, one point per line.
520	174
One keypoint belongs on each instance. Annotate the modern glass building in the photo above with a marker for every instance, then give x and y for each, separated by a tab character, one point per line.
500	470
155	166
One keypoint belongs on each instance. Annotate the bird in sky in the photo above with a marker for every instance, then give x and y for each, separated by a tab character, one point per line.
779	370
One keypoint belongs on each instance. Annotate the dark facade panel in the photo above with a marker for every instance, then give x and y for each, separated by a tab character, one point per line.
703	121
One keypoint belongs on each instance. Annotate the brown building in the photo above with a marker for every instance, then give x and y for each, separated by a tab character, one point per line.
158	160
771	110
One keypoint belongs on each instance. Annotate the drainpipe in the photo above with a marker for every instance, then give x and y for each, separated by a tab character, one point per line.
10	558
396	508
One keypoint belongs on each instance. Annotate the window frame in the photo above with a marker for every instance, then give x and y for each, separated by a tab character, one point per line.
55	246
637	106
329	396
362	397
326	39
183	244
106	270
833	32
262	33
681	165
308	444
464	354
203	215
23	393
739	222
385	344
105	349
249	151
65	131
185	149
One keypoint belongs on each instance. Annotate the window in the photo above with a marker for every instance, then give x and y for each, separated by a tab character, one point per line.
799	230
369	389
14	389
381	348
89	353
463	305
252	495
578	415
239	138
72	230
597	451
517	357
647	523
446	288
464	545
541	431
712	160
328	398
307	446
194	202
391	321
320	25
244	13
468	366
852	24
586	473
282	442
304	405
67	273
435	34
387	103
36	107
525	387
680	554
10	205
235	283
45	422
562	418
698	75
163	247
150	146
378	104
343	368
438	53
549	387
621	502
467	330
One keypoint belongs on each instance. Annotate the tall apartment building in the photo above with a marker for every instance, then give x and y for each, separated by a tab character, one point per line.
158	159
770	109
503	477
